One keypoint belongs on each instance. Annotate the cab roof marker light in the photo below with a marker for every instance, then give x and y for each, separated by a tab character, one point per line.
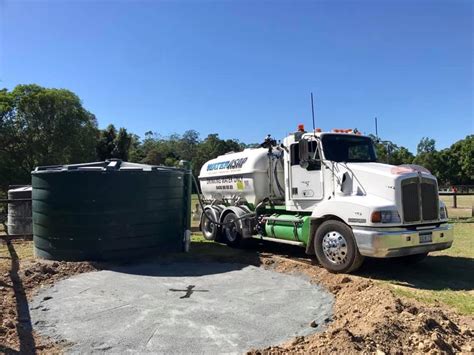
345	130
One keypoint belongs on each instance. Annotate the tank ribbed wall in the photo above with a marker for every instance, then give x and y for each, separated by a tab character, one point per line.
109	214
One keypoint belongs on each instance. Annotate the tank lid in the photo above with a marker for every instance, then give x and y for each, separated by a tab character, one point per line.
108	165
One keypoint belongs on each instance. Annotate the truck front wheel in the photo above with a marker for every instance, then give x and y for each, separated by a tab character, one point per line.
336	248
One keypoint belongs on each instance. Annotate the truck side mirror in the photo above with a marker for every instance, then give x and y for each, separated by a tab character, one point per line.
303	153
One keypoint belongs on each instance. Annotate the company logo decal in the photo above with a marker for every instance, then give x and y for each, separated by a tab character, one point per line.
230	164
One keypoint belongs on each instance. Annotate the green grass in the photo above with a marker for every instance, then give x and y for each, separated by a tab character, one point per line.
461	301
464	209
463	245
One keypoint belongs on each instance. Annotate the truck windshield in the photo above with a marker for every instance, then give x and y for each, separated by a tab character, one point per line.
348	148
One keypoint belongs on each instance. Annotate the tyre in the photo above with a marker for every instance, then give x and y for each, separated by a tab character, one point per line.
336	248
209	230
231	231
413	259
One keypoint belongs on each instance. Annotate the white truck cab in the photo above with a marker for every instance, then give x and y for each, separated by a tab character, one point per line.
326	192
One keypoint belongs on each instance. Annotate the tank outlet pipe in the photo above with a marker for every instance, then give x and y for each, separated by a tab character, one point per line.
187	185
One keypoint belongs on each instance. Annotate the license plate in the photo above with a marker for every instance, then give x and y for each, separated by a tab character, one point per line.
426	237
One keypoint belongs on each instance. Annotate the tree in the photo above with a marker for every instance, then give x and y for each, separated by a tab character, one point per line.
400	156
456	164
390	153
463	151
158	150
41	126
427	156
212	147
113	144
187	145
426	145
135	153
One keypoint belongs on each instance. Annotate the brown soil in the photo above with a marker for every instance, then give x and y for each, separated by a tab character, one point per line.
367	318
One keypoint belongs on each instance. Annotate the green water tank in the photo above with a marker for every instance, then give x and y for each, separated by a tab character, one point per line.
110	210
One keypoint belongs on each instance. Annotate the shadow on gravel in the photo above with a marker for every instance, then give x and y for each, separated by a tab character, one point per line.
200	252
436	272
159	268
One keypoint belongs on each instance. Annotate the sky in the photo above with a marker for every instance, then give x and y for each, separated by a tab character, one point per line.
245	69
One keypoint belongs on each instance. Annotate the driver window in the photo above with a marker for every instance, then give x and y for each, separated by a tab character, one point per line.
295	154
315	163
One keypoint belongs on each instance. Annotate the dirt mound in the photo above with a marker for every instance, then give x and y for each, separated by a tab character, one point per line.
371	319
43	273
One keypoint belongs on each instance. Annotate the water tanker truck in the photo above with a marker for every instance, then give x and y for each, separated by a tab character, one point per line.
325	192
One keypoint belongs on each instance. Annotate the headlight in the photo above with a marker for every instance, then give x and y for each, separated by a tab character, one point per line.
443	212
388	216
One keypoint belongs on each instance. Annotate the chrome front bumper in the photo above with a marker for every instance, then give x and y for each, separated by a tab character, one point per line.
382	243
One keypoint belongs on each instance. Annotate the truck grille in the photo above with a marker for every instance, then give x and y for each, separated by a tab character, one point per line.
420	200
429	199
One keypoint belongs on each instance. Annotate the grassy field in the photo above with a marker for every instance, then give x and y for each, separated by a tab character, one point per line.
464	209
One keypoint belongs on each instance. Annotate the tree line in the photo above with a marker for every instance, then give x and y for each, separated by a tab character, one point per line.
452	166
43	126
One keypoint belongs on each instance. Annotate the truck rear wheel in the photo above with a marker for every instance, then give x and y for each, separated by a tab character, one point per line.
231	230
336	248
209	230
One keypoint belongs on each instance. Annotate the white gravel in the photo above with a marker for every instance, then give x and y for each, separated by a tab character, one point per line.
134	309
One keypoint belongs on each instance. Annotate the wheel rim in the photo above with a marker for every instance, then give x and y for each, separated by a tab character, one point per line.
335	247
231	231
208	228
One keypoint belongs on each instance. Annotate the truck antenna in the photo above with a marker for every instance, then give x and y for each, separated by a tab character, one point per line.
376	128
312	111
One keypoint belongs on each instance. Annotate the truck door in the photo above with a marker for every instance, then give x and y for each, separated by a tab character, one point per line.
305	182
